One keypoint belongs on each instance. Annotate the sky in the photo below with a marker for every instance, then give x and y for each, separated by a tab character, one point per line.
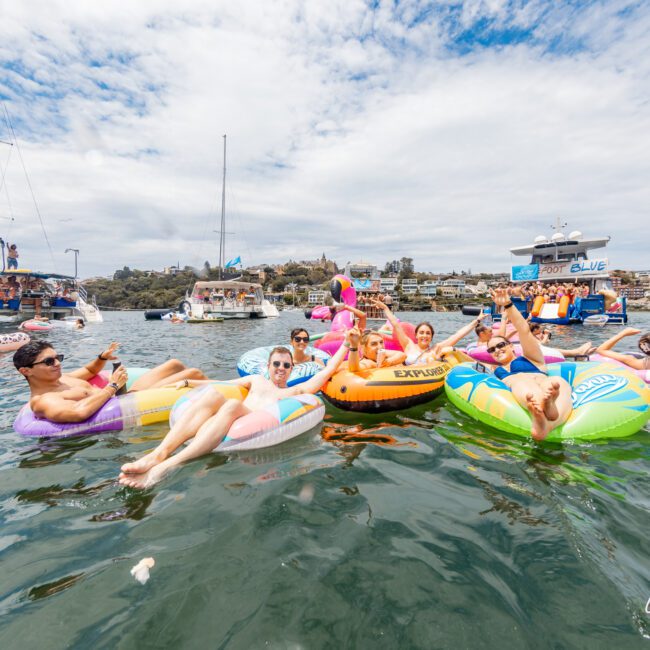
443	131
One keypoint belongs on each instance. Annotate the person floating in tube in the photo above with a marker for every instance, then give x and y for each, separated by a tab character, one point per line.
547	400
207	423
70	397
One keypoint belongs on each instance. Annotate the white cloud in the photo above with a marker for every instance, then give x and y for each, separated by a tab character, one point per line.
352	131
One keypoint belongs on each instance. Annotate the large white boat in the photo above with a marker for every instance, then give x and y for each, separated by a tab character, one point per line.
26	293
227	299
565	259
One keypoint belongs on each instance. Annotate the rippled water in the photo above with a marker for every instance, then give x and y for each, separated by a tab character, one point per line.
452	536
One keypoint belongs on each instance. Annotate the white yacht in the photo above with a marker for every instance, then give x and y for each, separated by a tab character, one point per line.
227	299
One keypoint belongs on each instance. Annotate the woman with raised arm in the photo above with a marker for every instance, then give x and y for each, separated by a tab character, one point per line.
424	350
605	350
547	400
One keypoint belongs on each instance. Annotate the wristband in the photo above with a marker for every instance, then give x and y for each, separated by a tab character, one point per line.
114	386
99	356
508	305
352	349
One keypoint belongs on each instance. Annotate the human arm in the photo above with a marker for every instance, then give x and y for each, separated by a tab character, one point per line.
529	344
56	408
462	332
392	358
95	366
605	349
402	338
314	384
358	314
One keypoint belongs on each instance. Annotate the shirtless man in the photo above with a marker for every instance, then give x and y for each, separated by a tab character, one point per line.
211	416
69	397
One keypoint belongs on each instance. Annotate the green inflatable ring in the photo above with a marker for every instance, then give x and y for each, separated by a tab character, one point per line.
609	401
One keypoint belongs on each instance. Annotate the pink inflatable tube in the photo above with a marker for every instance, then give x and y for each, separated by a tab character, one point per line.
510	329
13	341
643	374
271	425
480	353
36	326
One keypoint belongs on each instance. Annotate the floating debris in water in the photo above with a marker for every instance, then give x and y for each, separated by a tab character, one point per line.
141	570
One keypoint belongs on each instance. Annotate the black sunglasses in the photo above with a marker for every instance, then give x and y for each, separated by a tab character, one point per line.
301	339
285	364
498	346
49	362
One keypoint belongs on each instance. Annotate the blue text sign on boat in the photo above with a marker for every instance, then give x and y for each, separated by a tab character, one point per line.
524	273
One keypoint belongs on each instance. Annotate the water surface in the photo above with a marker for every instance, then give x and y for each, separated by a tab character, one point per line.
420	529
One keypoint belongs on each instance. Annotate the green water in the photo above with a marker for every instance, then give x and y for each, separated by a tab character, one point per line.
456	537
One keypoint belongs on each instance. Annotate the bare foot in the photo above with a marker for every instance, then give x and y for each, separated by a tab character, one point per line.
143	464
584	349
551	392
540	427
145	479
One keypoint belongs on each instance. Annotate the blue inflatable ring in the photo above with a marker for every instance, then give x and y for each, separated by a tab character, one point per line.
255	362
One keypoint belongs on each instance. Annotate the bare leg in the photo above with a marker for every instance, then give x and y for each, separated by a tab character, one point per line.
557	401
529	395
206	439
166	373
580	351
186	427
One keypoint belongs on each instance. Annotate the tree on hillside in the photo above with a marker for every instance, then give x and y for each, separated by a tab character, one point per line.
392	268
123	274
406	268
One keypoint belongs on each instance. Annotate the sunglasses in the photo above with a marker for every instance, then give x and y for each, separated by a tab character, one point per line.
49	362
498	346
285	364
301	339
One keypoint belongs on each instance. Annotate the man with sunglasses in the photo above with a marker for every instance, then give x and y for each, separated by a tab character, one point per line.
207	423
70	397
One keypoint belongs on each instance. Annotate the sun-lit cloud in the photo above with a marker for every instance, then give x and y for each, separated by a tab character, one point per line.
443	131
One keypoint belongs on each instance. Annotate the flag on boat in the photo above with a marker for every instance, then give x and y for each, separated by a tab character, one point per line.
233	262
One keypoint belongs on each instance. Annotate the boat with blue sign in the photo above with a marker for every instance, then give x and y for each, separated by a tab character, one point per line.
564	261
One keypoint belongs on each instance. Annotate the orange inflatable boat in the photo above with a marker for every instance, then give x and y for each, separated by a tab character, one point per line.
389	389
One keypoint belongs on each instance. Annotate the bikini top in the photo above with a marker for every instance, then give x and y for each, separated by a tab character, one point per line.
519	365
414	357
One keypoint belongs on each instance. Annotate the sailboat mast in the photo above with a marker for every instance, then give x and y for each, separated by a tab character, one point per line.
222	238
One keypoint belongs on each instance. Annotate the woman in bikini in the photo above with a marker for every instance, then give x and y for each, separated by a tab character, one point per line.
424	350
299	343
547	400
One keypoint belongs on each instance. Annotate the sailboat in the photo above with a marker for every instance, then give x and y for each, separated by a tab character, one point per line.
226	298
27	293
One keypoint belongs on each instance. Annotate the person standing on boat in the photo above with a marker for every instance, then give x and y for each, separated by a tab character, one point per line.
211	415
12	256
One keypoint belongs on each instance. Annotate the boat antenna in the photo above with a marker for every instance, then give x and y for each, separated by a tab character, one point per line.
222	238
22	162
558	226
